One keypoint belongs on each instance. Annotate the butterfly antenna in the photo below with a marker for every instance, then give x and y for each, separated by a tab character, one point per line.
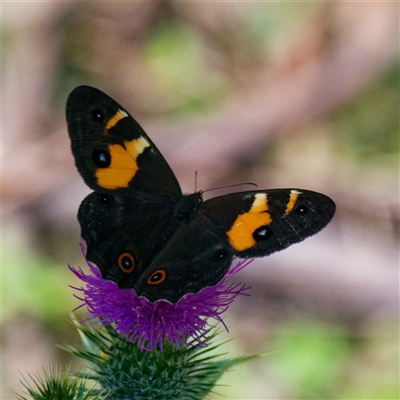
195	181
231	186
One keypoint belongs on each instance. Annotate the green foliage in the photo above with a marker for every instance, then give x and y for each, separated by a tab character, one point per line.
50	298
176	58
369	125
265	29
311	360
318	360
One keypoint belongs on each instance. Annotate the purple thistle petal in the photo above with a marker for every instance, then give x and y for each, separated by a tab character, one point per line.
149	324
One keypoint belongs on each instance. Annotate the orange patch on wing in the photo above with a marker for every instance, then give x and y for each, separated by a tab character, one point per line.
118	116
241	233
294	194
123	165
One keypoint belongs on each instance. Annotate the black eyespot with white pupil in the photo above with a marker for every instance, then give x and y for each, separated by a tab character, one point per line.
101	158
98	115
301	210
221	254
262	233
106	200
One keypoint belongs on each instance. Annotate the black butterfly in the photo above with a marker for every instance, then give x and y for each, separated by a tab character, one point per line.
143	233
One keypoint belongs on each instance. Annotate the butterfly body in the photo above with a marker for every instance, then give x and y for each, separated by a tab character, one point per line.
143	233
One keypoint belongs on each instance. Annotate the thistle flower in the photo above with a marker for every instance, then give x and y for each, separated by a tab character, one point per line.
149	324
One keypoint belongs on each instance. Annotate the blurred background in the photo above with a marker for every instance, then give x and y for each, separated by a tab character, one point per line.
295	95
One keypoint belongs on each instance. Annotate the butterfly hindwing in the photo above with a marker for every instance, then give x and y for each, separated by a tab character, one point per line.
111	150
122	233
259	223
193	259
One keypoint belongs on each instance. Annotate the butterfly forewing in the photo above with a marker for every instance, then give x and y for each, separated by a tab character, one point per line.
111	150
259	223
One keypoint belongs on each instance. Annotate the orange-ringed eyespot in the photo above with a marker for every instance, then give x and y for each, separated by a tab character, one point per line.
157	277
126	262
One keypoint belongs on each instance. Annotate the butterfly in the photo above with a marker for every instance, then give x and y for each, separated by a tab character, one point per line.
144	234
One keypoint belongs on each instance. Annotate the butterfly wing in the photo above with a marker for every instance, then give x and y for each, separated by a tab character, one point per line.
259	223
111	150
127	219
123	233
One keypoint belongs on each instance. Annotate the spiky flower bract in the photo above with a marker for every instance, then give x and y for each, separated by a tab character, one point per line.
56	385
119	370
151	324
123	371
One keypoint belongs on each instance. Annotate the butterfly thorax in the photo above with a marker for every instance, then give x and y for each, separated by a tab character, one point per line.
187	206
